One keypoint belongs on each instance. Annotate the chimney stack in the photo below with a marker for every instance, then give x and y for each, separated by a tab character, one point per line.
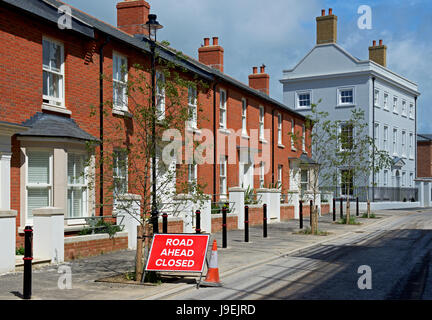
326	27
378	53
132	16
211	55
260	81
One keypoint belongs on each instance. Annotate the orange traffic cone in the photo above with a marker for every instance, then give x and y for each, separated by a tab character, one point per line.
212	278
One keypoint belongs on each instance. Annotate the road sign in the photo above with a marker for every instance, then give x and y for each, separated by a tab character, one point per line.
178	252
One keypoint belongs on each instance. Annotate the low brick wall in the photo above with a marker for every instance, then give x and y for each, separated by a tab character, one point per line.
287	212
232	222
175	225
325	208
91	245
256	215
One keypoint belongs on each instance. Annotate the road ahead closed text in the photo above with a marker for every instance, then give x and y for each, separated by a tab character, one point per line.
178	252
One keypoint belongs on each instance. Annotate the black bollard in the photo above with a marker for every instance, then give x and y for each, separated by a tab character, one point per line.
224	227
164	222
265	220
341	208
246	223
28	257
357	207
301	214
198	222
334	209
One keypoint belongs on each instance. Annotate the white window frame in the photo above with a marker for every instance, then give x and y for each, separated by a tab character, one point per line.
222	109
279	128
261	175
386	100
292	134
411	146
377	135
376	98
385	183
404	108
395	105
160	95
394	142
385	138
339	96
223	176
192	173
119	82
50	100
261	122
403	178
280	174
303	138
116	168
404	141
302	182
85	196
193	107
244	117
28	185
297	99
411	179
341	148
411	111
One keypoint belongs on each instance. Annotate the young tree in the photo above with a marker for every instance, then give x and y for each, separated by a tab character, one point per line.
357	157
131	142
321	142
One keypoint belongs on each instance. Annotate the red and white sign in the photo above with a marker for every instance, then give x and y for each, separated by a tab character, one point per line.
178	252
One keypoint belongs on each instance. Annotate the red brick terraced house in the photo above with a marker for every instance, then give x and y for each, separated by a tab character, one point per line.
51	80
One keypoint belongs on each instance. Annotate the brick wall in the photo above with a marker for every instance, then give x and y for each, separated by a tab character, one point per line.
287	212
424	159
216	222
92	245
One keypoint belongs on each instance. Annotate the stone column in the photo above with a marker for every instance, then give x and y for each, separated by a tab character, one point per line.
421	195
205	207
274	207
48	234
7	240
128	214
236	199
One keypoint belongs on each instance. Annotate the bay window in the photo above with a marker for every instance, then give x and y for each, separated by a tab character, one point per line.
39	181
77	186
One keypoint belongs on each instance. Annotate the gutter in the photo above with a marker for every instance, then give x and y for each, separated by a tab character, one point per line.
373	139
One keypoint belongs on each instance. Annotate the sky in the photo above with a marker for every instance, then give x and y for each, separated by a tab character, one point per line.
278	33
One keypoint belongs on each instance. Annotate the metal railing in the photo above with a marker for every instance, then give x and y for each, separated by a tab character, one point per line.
376	193
92	222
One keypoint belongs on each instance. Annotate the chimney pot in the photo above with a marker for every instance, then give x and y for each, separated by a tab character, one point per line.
211	56
326	28
380	42
322	12
330	11
262	69
374	43
206	42
255	70
215	41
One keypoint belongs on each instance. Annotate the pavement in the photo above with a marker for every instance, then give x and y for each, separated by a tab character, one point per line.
283	239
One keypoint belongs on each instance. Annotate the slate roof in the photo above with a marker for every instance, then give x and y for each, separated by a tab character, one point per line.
50	125
424	137
47	9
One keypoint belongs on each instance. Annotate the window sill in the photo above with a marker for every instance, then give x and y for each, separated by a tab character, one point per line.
122	113
50	107
293	149
281	146
303	108
224	131
262	140
194	130
245	136
395	112
404	115
386	109
348	105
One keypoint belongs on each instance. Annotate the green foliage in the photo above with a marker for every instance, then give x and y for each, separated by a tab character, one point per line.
250	196
308	230
371	216
19	251
352	220
102	227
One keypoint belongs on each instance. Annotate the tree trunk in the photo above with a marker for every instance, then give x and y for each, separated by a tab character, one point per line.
312	217
348	211
148	234
139	253
368	209
316	218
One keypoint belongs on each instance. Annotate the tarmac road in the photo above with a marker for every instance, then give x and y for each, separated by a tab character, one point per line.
398	253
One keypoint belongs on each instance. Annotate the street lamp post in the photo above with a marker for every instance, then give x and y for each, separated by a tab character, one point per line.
152	26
